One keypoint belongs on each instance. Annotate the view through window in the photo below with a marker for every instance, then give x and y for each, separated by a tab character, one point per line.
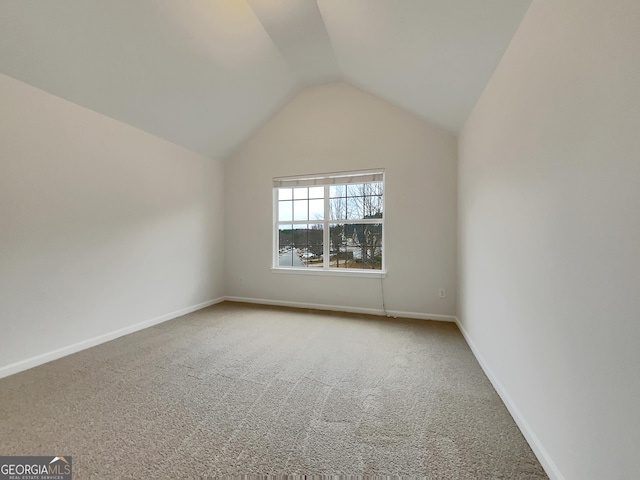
330	221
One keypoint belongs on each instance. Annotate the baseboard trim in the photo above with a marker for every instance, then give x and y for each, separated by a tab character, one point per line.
541	453
343	308
92	342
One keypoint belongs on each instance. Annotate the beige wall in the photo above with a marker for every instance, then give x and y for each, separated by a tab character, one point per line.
549	235
334	128
102	227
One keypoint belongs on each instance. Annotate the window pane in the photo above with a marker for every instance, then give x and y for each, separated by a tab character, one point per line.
338	247
284	236
354	208
285	194
356	190
300	209
356	246
312	254
338	208
374	188
316	209
315	238
285	246
300	193
316	192
299	236
372	207
285	211
371	246
337	191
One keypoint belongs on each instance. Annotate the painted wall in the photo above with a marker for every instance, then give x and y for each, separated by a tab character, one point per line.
102	226
337	127
549	256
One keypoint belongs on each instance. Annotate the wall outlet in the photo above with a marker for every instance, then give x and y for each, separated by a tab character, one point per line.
241	280
442	293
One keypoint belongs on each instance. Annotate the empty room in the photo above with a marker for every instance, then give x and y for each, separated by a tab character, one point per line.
310	238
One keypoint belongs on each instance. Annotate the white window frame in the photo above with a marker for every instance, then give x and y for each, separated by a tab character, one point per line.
326	180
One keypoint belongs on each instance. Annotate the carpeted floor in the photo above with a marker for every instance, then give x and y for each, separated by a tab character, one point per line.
240	389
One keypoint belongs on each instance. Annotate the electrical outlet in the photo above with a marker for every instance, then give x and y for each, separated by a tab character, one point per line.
241	280
442	293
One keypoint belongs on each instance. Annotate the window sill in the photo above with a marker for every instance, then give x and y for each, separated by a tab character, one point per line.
332	272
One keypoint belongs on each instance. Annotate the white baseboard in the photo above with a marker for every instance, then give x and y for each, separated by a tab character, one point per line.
420	316
342	308
534	442
22	365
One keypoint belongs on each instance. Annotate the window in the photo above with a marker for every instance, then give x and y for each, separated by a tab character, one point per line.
329	222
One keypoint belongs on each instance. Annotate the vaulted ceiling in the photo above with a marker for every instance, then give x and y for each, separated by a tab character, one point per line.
205	74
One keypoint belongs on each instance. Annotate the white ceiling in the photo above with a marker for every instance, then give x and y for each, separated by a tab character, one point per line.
206	73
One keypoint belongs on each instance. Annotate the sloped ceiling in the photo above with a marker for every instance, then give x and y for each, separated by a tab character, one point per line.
205	74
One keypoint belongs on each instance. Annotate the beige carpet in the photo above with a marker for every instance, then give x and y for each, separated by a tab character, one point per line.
240	389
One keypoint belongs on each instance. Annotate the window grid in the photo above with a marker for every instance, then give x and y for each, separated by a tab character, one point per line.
346	233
